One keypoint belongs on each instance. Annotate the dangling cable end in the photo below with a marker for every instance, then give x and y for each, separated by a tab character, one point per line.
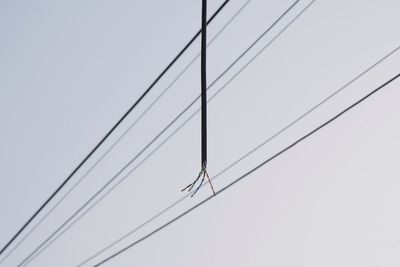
203	173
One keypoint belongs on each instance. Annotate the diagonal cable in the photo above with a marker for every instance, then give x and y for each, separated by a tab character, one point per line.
252	151
68	178
43	245
298	141
80	180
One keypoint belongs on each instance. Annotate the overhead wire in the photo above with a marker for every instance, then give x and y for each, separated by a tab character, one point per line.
81	179
246	155
298	141
38	249
68	178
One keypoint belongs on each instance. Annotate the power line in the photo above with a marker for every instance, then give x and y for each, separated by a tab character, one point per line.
33	228
252	151
251	171
108	133
43	245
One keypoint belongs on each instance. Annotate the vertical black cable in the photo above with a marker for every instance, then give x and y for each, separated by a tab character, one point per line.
204	85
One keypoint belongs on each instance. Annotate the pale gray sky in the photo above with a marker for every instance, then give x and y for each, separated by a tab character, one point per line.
70	69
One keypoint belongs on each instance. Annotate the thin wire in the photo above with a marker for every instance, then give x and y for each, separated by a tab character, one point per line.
251	171
252	151
43	245
164	130
123	134
308	112
107	135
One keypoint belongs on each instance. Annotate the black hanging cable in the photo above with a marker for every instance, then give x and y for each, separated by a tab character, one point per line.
251	171
108	133
203	168
49	240
204	85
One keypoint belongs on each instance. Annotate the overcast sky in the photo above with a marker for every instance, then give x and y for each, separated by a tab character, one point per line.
70	69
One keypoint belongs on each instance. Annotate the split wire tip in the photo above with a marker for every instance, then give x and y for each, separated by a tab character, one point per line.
203	174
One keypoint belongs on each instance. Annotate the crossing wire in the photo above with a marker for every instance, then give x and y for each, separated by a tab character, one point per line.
95	164
250	171
48	240
240	159
36	213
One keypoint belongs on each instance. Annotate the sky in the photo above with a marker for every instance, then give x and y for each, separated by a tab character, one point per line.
70	69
